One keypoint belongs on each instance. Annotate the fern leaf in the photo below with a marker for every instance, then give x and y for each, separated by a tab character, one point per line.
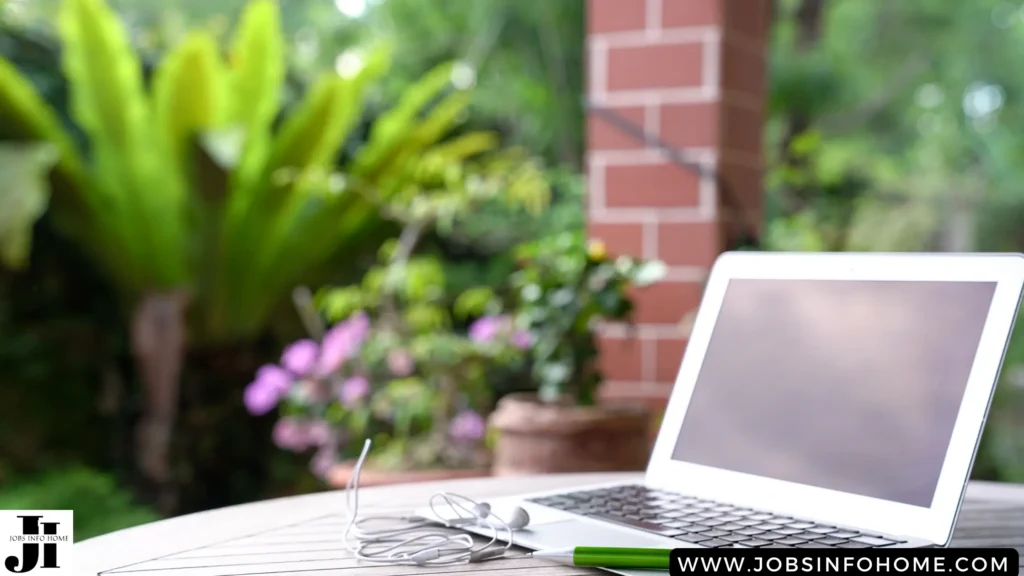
257	72
188	94
390	130
23	197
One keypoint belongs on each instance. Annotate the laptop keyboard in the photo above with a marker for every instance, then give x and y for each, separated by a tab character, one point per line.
705	522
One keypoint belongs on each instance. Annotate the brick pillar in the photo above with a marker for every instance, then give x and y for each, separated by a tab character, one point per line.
691	73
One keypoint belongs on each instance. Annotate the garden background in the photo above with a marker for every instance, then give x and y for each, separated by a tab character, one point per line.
892	126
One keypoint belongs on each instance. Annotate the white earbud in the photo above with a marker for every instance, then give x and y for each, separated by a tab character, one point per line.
520	519
482	510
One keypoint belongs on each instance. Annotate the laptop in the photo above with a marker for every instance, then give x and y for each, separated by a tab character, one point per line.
824	400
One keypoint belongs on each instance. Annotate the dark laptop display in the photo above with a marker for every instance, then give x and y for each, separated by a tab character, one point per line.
852	386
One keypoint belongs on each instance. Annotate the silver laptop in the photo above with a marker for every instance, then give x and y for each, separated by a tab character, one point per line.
825	400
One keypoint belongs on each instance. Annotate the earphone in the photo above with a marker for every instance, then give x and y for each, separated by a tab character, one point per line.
424	542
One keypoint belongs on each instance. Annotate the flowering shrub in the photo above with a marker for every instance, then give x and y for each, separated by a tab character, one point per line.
394	366
564	287
360	380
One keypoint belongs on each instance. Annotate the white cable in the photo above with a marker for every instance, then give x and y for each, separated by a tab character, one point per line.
419	541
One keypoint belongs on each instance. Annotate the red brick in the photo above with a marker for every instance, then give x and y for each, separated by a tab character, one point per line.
750	18
742	130
747	189
620	358
689	243
669	356
666	302
680	13
690	125
663	66
604	136
743	72
615	15
651	185
619	239
655	398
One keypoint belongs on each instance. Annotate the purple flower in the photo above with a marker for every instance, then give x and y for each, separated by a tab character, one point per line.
323	461
300	357
263	393
467	426
353	390
318	432
487	328
522	339
400	362
291	434
342	342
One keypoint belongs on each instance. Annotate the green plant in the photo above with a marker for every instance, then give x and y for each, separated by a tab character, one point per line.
100	506
201	208
564	286
394	367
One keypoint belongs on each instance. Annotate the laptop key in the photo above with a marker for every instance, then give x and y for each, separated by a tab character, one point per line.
801	525
853	545
771	536
715	543
735	538
844	534
830	541
790	541
872	541
822	530
755	543
730	527
710	522
677	524
750	531
788	531
691	538
640	525
714	533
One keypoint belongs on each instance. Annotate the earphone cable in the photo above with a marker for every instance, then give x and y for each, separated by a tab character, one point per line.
419	541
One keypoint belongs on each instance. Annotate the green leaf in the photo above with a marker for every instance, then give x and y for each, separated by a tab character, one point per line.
189	95
24	195
394	126
257	71
338	303
473	302
26	117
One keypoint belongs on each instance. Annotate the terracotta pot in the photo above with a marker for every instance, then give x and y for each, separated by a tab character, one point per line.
339	475
538	438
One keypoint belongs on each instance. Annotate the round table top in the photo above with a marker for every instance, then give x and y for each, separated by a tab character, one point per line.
159	545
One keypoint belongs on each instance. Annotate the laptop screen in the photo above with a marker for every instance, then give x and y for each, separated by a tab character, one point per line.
852	386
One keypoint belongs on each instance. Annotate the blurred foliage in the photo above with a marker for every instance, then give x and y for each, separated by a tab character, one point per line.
100	506
563	288
422	373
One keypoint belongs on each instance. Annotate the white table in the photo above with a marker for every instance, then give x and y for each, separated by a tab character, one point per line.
229	541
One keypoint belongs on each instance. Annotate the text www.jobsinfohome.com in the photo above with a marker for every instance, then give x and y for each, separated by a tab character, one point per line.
813	561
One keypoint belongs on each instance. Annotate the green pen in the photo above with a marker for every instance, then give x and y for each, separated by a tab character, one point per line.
596	557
